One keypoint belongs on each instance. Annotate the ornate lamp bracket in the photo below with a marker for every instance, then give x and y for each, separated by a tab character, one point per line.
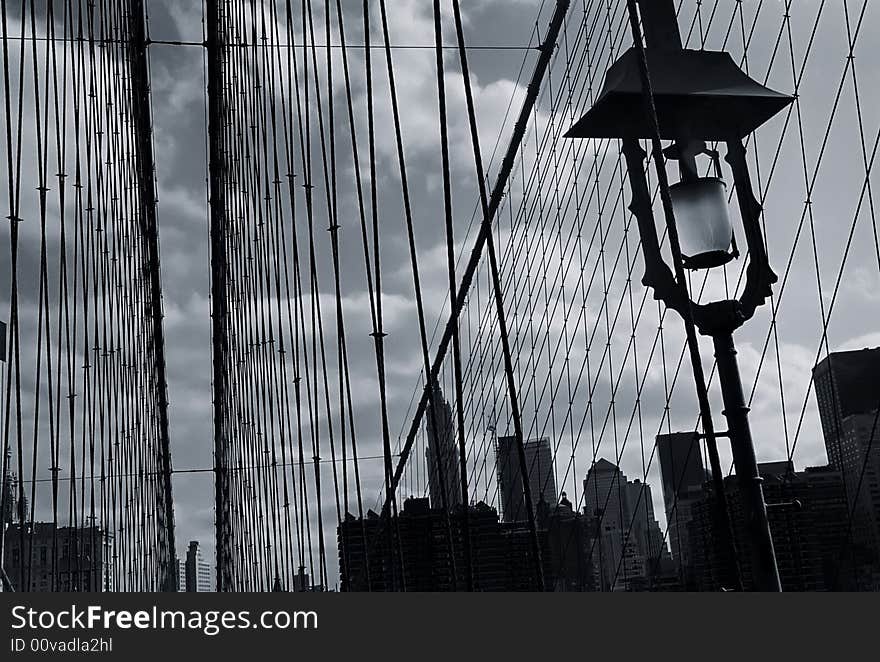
760	277
720	316
658	276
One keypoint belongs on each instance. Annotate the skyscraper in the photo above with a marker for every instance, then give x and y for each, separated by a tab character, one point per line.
442	454
683	475
848	395
807	514
46	558
501	553
645	528
542	481
181	576
199	577
367	564
681	465
604	493
631	543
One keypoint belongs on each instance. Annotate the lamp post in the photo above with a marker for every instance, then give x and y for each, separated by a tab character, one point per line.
688	98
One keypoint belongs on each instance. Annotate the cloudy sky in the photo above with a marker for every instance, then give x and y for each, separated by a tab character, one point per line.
595	369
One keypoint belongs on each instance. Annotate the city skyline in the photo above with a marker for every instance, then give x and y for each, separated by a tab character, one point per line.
245	253
629	537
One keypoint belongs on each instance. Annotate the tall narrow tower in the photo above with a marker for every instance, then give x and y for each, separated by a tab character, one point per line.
442	455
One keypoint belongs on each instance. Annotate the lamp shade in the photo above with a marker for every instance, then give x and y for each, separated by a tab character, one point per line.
703	222
698	94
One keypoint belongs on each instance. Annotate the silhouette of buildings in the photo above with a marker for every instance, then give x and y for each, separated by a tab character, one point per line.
369	554
302	582
501	552
542	482
848	395
568	552
46	558
442	454
807	514
615	542
42	557
423	548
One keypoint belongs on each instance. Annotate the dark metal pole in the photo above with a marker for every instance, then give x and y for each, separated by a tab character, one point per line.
219	273
450	255
660	24
661	28
722	529
765	574
150	235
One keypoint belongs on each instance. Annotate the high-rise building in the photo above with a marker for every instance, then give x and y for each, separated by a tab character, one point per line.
604	493
199	577
568	554
302	582
681	465
645	528
630	545
442	454
422	535
46	558
501	552
605	506
181	575
683	475
14	503
807	515
542	481
848	395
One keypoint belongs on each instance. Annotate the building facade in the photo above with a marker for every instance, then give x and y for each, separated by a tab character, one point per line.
413	551
181	575
197	571
542	479
807	515
46	558
848	396
444	477
684	477
630	545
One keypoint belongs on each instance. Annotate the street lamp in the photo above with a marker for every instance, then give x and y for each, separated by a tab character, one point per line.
700	204
699	97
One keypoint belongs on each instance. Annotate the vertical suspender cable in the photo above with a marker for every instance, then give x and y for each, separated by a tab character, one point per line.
149	232
450	258
219	294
